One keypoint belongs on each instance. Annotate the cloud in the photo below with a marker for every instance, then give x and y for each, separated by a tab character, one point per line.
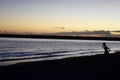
58	27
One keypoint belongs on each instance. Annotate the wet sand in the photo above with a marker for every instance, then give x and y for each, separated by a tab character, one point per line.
98	67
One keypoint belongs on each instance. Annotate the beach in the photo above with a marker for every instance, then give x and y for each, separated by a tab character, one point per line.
97	67
59	40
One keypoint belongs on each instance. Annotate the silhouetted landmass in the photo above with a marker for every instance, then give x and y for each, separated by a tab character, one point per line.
117	31
59	37
106	33
98	67
99	33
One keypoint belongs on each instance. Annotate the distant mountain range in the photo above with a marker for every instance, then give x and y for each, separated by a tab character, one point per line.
100	33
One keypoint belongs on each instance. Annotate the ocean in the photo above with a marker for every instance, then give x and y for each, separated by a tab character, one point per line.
18	50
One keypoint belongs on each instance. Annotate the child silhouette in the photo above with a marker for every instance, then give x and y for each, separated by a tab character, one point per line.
105	48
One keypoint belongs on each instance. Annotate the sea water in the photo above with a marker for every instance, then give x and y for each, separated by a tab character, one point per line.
17	50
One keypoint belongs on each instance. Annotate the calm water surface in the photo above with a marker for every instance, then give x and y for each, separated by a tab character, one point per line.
16	50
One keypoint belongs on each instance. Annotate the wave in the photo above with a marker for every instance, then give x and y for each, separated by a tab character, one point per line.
32	55
10	55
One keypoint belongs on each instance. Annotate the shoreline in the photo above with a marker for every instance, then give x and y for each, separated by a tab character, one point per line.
9	62
97	67
59	37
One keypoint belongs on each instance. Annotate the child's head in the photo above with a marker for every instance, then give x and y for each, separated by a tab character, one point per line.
104	43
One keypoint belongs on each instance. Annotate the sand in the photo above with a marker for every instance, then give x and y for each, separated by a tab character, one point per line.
98	67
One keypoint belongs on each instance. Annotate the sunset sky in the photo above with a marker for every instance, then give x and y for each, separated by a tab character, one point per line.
50	16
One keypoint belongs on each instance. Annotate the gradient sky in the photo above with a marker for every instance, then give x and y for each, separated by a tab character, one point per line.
46	16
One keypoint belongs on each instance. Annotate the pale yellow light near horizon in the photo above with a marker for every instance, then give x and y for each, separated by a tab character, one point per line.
47	25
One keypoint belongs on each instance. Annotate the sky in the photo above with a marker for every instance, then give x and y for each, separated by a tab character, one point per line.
51	16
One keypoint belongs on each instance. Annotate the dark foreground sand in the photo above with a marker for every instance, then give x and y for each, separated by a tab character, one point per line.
99	67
